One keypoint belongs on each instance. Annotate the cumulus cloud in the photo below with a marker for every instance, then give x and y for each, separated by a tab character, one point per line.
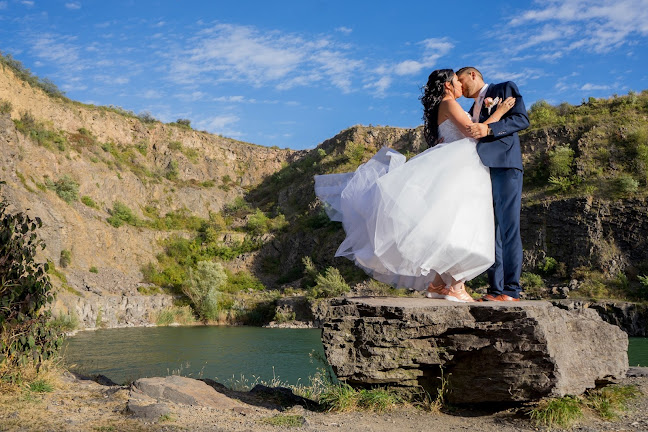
73	5
345	30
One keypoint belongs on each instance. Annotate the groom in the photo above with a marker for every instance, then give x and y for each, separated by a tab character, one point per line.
499	149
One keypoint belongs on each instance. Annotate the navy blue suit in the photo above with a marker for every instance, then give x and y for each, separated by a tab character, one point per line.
501	153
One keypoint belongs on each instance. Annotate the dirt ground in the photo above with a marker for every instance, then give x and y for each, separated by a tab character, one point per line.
84	405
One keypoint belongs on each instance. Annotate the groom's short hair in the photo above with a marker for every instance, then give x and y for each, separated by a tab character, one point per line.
469	69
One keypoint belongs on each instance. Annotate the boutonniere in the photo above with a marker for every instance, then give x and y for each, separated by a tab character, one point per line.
489	103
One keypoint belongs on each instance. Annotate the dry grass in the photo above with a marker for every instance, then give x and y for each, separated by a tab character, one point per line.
49	399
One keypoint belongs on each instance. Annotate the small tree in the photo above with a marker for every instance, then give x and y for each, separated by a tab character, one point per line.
203	288
25	289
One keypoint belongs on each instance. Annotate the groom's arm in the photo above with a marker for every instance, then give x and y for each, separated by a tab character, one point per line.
516	119
513	121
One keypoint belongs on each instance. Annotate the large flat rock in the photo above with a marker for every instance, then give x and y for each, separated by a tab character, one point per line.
487	352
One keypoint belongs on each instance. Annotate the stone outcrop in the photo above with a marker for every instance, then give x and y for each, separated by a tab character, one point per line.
632	318
487	352
594	233
110	311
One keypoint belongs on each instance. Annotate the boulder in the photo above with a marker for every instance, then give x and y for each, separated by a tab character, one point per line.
181	390
482	352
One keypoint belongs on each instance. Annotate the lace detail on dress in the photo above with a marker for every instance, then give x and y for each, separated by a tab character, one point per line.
449	131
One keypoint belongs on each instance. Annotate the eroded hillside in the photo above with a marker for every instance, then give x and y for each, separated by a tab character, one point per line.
75	166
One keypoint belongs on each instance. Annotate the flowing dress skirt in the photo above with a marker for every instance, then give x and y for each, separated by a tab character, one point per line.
407	221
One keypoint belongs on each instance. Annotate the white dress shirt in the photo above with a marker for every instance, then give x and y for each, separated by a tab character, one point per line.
478	104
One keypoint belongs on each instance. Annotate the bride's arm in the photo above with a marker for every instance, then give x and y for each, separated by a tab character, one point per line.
502	109
450	109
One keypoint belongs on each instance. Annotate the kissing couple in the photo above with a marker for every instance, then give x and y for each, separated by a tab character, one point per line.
451	212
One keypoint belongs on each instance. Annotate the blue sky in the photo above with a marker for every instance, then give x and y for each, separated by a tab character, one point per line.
294	73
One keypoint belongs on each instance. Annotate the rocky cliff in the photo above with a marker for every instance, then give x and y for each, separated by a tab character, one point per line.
168	172
152	168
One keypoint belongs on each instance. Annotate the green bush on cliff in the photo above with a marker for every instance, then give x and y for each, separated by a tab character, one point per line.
65	187
203	288
25	289
38	132
5	106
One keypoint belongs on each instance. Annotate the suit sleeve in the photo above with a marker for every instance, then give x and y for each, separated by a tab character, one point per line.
516	119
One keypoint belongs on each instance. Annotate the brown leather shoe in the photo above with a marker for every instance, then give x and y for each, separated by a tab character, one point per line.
500	297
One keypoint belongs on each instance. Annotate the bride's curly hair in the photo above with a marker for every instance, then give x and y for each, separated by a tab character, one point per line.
433	93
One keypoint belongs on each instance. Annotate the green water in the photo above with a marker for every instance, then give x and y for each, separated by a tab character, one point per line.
219	353
638	351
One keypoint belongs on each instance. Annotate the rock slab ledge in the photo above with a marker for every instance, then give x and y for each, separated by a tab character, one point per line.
486	352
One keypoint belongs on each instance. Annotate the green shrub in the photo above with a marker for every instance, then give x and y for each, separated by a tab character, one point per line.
93	269
543	114
203	288
85	199
5	106
172	171
121	214
354	153
26	290
643	287
65	322
532	284
175	314
330	284
625	184
241	281
548	266
184	122
65	187
65	259
561	160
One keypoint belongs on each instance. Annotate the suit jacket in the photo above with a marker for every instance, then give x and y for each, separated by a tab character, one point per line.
502	149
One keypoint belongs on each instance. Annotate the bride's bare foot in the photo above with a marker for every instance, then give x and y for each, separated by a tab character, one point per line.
458	293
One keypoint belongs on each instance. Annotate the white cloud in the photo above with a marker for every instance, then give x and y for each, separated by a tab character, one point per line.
594	25
152	94
380	86
27	3
345	30
57	49
73	5
408	67
225	52
591	87
220	122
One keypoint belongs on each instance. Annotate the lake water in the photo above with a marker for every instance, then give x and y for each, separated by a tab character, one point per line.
219	353
638	351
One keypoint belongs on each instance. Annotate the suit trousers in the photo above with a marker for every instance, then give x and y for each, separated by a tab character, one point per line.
504	274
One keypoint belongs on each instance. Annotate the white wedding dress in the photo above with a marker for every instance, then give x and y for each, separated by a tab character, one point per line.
407	221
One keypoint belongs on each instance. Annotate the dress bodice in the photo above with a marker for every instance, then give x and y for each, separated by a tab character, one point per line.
450	132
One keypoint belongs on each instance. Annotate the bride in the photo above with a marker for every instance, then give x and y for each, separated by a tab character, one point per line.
425	224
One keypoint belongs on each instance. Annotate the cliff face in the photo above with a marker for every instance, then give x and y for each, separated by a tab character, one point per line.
114	158
157	169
